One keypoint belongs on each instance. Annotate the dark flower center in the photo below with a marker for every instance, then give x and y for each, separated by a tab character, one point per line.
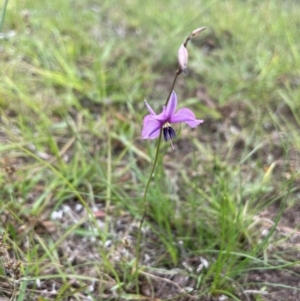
168	132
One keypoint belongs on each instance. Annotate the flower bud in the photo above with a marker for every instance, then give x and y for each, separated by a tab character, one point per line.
183	58
198	30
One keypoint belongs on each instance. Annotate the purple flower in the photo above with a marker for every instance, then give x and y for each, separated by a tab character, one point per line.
153	123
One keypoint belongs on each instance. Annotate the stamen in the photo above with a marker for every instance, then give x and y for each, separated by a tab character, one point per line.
172	133
172	144
168	133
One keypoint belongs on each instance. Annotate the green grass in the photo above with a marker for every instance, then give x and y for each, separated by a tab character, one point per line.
74	169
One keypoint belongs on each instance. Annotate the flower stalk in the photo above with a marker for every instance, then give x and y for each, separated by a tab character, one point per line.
156	125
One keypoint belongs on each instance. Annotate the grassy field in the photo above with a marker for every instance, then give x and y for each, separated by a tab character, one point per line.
222	219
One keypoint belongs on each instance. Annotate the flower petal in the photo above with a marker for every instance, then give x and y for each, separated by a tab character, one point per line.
172	104
147	118
162	117
187	116
151	128
149	108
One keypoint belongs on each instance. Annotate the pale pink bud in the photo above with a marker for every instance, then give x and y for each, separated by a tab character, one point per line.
198	30
183	57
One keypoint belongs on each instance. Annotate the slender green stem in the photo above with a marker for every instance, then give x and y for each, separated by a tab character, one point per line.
173	84
145	204
3	13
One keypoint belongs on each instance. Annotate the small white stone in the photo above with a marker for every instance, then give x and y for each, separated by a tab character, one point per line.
93	239
56	215
265	232
38	283
78	207
107	244
200	268
147	258
53	291
66	208
188	289
204	261
91	287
